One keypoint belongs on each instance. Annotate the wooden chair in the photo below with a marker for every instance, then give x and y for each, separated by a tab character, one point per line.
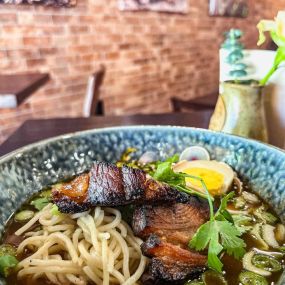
197	104
92	105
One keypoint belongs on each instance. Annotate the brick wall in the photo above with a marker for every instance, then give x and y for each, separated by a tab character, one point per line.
149	56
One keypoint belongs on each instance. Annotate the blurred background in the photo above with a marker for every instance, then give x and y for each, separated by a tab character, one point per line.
148	57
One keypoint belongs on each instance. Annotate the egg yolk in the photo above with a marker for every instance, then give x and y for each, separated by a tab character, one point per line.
213	180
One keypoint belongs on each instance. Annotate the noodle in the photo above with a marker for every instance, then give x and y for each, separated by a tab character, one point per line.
79	249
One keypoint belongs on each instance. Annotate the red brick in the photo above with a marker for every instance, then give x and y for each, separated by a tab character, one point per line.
61	19
36	41
8	17
79	29
36	62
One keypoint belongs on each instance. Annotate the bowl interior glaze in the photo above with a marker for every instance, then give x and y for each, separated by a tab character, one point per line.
28	170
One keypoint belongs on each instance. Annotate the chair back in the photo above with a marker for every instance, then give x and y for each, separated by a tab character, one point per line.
90	107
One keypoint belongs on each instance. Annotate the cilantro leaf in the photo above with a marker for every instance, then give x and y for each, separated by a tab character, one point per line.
230	239
201	239
40	203
219	234
222	213
215	248
7	263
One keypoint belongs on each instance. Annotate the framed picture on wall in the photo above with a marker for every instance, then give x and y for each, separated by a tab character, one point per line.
54	3
173	6
228	8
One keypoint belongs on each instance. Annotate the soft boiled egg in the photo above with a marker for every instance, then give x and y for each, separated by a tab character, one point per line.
217	176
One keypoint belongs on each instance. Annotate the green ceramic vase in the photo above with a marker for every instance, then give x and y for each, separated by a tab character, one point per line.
240	110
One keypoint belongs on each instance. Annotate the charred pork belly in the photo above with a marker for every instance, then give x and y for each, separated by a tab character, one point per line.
171	263
175	223
167	230
71	197
109	185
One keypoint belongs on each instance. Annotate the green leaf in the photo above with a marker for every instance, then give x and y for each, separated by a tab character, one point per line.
201	239
40	203
163	172
230	239
219	234
215	248
224	202
7	263
222	213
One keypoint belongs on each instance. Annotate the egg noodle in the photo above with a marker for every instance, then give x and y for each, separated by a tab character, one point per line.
91	247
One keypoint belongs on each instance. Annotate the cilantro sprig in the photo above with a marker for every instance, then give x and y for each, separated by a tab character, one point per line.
219	234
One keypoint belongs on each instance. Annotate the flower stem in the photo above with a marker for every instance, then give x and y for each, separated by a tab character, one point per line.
264	80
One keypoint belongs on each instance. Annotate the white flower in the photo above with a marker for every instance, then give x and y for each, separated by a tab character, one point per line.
280	22
277	28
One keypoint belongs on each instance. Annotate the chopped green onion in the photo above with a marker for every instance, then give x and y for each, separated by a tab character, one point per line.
45	194
194	282
250	278
248	265
24	215
213	277
264	216
7	263
7	259
243	223
268	236
239	202
280	233
40	203
54	210
7	249
266	262
256	234
250	197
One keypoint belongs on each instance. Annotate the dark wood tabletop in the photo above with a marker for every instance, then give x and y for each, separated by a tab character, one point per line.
35	130
207	102
15	88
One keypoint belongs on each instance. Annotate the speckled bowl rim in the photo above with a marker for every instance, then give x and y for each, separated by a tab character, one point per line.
43	142
256	144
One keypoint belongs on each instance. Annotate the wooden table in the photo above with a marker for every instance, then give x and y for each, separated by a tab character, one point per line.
207	102
15	88
35	130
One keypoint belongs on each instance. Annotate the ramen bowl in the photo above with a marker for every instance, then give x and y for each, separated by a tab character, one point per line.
34	167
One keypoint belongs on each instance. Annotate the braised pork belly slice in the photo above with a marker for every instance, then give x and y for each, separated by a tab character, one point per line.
109	185
171	263
175	223
71	197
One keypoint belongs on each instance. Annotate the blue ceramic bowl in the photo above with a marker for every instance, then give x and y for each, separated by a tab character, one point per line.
29	169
